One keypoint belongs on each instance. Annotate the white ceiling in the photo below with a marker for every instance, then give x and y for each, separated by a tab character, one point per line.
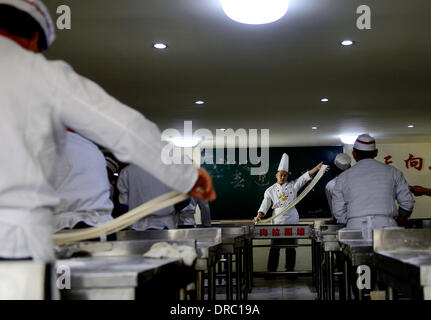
266	77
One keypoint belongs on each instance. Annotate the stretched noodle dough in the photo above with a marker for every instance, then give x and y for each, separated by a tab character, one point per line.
291	205
157	204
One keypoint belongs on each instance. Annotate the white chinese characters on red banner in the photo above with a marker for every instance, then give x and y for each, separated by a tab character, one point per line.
282	232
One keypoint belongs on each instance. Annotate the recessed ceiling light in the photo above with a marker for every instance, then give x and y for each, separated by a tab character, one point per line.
410	126
160	46
256	11
314	128
324	100
222	129
199	102
348	139
347	43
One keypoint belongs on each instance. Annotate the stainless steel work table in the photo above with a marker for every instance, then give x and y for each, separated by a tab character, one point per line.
326	251
208	247
403	261
233	239
237	248
118	270
355	252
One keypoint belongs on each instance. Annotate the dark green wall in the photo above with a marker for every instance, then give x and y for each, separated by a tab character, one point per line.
240	194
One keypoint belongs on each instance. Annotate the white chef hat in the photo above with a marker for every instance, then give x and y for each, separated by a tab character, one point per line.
365	142
342	161
284	163
38	11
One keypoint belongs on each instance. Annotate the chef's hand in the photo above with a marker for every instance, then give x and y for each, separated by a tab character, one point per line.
417	190
203	188
313	171
258	217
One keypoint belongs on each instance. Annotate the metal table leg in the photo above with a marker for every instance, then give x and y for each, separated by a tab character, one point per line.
313	261
322	275
341	277
347	280
199	286
251	265
320	272
238	270
246	271
211	283
228	276
327	276
331	276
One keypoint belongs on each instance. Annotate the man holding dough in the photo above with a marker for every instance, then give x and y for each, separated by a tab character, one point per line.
278	197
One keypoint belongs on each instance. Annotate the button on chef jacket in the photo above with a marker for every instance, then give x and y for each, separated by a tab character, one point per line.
85	191
370	188
137	186
272	199
39	99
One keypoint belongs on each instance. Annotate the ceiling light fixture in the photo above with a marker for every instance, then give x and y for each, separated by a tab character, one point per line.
255	11
410	126
160	46
348	139
347	43
314	128
324	100
199	102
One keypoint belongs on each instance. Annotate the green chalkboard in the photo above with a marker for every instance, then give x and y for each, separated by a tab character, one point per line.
239	194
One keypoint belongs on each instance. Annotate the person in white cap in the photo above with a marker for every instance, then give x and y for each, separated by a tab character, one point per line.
278	197
341	163
39	99
85	191
367	193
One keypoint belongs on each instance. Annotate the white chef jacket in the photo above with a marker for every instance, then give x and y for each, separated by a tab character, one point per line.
272	199
370	188
329	189
84	194
136	186
38	99
187	215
